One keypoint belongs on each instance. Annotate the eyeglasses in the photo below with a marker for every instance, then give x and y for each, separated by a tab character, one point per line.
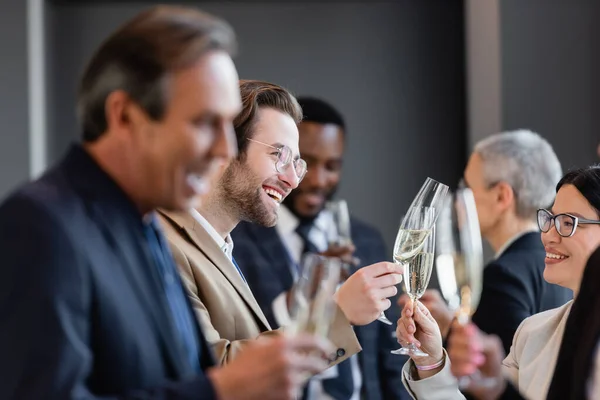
565	224
285	158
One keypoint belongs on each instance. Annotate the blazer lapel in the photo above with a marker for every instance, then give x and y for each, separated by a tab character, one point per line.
116	218
119	232
197	235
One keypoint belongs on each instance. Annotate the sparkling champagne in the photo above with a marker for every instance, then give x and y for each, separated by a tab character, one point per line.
409	243
417	273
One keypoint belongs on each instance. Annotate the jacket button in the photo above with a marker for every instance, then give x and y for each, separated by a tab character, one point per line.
340	353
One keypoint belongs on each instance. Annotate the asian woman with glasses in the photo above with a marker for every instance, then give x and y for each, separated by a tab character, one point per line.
570	232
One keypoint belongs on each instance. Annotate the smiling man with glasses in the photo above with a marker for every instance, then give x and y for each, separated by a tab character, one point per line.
250	188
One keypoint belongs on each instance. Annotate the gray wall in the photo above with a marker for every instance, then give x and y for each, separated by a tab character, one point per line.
14	141
395	69
551	73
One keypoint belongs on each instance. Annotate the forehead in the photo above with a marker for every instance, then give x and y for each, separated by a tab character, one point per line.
474	170
210	85
322	137
570	200
274	126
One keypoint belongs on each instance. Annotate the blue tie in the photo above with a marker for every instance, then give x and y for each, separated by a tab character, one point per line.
238	269
180	312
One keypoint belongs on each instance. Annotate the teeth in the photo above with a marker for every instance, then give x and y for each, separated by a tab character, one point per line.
200	186
274	194
555	256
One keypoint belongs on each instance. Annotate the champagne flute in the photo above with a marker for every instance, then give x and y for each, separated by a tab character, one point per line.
414	227
312	305
459	263
417	273
338	233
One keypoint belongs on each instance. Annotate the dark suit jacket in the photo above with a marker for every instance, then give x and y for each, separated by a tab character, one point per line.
514	289
81	310
264	261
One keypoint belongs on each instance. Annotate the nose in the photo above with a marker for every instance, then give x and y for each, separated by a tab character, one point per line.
225	143
551	236
316	177
289	177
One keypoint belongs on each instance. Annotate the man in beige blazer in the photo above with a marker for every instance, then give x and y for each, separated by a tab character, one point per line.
251	188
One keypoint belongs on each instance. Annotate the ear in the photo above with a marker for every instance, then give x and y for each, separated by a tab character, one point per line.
505	195
122	114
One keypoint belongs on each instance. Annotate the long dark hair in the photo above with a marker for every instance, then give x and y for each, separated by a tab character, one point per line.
577	353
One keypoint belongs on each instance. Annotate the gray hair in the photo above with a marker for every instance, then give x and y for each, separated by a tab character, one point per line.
525	161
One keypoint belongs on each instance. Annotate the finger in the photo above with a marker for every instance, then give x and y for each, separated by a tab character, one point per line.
384	304
409	324
425	312
385	292
381	268
383	281
407	311
402	333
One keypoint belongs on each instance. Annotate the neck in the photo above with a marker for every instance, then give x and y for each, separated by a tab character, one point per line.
506	229
216	211
113	160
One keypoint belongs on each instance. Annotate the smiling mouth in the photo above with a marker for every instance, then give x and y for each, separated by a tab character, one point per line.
553	256
275	195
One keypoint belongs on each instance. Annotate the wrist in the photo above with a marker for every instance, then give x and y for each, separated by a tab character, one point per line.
428	366
432	359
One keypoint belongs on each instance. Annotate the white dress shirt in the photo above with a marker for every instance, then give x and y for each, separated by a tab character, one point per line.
286	228
225	244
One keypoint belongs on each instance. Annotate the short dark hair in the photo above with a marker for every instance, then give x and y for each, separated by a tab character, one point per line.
139	56
587	181
320	111
256	95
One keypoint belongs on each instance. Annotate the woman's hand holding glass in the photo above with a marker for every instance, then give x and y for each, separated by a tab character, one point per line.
417	325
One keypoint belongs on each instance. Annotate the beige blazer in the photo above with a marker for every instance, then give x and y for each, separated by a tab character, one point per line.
225	306
529	365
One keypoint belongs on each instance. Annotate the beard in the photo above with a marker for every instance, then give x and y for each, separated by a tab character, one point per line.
242	195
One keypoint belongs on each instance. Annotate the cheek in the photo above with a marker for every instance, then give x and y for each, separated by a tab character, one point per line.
590	243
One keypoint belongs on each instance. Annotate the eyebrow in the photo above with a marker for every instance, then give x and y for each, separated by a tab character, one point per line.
570	213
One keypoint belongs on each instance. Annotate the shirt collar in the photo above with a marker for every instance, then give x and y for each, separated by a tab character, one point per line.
287	222
226	245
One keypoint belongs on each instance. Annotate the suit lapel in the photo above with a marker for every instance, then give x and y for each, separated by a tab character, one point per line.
201	239
119	232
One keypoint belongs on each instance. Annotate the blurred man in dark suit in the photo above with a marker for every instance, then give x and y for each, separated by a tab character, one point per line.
91	305
268	257
512	174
